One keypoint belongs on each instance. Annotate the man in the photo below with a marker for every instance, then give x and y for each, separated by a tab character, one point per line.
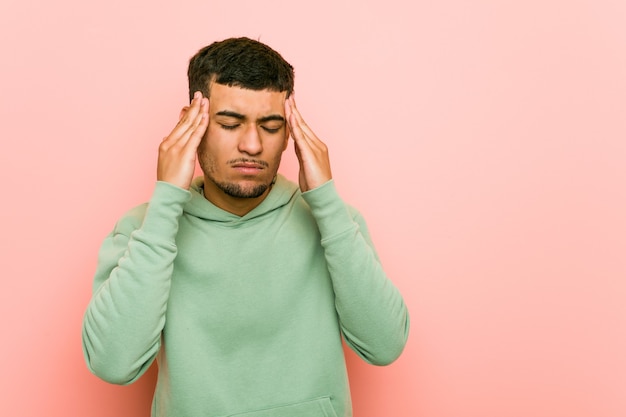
241	283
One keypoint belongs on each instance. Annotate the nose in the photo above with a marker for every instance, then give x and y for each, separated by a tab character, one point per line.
250	141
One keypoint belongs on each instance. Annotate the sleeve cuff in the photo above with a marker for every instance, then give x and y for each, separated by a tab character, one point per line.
165	208
331	213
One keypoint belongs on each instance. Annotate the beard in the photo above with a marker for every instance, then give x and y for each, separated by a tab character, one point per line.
239	191
235	189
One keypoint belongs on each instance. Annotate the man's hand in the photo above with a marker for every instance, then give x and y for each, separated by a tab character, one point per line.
312	153
177	152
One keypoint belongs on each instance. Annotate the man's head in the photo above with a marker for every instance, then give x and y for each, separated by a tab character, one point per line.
247	84
239	62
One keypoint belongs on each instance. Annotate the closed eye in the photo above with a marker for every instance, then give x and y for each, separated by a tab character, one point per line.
271	130
229	127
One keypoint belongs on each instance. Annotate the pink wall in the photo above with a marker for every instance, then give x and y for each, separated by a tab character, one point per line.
484	141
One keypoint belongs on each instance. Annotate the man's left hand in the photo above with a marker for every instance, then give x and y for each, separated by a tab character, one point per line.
312	153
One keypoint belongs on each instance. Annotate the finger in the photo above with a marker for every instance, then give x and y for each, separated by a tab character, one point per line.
299	120
288	117
288	109
306	139
203	122
192	117
297	133
187	124
295	122
296	112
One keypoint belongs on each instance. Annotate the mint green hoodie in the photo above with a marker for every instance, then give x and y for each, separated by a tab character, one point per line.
243	314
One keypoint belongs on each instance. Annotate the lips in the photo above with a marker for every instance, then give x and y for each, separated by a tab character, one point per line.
248	165
245	164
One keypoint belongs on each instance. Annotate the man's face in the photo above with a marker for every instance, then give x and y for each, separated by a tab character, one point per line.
247	134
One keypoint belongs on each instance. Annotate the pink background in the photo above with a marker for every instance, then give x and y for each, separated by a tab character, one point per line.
485	142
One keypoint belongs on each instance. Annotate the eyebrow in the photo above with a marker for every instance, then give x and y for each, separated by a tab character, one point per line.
229	113
239	116
271	117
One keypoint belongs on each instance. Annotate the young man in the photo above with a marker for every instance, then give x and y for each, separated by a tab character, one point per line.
241	283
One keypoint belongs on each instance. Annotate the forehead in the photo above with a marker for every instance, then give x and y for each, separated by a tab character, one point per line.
247	102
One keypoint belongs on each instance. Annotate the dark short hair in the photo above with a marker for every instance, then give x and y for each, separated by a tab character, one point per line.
239	62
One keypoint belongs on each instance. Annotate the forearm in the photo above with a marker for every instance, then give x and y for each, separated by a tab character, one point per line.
373	316
123	322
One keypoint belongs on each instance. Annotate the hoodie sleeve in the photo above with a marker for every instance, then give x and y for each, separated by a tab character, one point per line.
373	317
122	325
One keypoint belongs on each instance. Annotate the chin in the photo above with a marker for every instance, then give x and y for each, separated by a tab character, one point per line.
243	190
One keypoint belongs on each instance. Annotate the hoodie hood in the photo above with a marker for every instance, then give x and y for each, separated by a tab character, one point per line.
281	193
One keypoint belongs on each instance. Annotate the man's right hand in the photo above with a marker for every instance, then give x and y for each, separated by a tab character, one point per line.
177	152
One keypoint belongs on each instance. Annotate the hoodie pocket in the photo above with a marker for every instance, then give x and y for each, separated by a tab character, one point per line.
318	407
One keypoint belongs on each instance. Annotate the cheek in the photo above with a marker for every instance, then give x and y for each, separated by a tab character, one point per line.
278	154
211	139
276	146
213	131
205	157
286	142
202	147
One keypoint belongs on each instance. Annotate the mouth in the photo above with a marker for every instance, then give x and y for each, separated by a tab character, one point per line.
247	166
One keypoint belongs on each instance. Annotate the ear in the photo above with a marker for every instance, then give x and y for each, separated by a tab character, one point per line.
183	112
